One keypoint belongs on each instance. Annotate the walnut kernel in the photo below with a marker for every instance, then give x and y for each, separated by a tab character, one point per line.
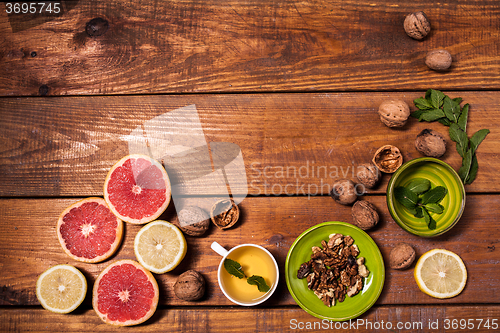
190	286
394	113
416	25
224	213
364	214
430	143
388	158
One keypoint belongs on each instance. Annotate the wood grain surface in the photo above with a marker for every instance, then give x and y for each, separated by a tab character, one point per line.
28	240
291	144
199	319
232	46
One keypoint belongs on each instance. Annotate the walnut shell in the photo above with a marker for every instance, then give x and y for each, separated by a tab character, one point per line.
438	60
224	213
192	220
394	113
364	215
344	192
431	143
368	175
401	256
417	25
190	286
388	158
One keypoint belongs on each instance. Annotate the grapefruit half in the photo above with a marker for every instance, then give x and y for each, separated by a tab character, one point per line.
137	189
125	294
89	231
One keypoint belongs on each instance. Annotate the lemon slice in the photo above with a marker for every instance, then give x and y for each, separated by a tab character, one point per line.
61	288
440	273
160	246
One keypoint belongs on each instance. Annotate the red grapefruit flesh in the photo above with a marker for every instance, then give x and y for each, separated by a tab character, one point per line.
89	231
137	189
125	294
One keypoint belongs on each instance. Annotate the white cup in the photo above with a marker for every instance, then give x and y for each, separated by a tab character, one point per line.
225	253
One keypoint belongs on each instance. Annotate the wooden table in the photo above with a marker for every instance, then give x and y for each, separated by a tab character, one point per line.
293	84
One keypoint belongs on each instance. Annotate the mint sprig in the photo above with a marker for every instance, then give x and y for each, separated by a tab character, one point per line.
420	199
436	106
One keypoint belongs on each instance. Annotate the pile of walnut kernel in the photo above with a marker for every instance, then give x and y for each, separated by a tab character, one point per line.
333	270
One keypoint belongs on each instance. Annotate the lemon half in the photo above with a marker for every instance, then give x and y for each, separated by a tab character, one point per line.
61	288
160	246
440	273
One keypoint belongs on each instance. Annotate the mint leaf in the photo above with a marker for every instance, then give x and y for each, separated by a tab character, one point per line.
434	196
258	281
419	212
432	115
464	170
405	197
462	120
477	138
422	104
234	268
444	121
459	136
437	98
419	185
449	109
473	171
434	208
431	223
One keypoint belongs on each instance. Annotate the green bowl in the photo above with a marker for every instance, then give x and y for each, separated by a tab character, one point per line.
439	174
352	307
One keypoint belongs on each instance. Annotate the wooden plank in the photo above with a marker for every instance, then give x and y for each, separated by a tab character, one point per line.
29	245
231	46
480	318
290	143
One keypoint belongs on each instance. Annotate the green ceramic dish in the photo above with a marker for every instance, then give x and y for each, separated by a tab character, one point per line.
352	307
439	174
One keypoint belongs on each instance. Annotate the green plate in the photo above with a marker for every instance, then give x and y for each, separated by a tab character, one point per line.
438	173
352	307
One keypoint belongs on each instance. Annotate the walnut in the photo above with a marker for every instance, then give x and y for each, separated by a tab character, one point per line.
190	286
394	113
344	192
388	158
364	214
401	256
438	60
430	143
224	213
417	25
192	220
368	175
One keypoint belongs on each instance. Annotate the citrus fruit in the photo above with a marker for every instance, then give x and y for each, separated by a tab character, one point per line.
61	288
440	273
125	294
137	189
160	246
88	231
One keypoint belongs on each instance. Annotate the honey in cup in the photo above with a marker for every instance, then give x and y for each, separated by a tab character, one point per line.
254	261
